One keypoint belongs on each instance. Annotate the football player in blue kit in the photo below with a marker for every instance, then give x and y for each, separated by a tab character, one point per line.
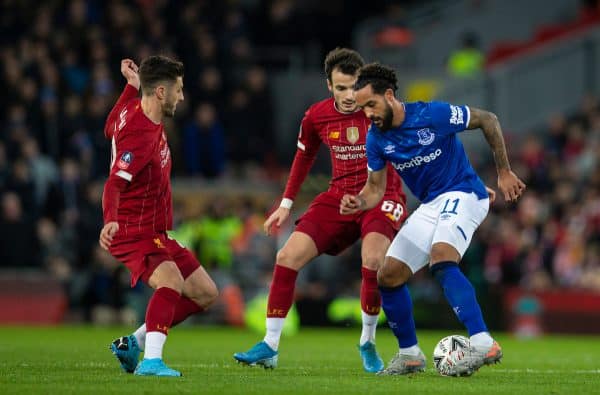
420	141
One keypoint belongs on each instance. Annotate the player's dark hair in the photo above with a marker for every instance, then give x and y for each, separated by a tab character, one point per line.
348	61
380	77
156	69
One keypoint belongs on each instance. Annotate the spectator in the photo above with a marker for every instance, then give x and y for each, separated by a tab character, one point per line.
466	61
204	145
17	239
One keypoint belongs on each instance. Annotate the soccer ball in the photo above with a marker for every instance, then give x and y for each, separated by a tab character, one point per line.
442	353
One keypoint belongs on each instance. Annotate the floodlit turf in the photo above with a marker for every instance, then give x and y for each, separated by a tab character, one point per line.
76	360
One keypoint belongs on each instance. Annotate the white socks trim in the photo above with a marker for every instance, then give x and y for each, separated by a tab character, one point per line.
155	342
369	327
274	328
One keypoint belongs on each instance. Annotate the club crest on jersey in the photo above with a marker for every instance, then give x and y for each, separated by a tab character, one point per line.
158	243
426	137
352	134
125	160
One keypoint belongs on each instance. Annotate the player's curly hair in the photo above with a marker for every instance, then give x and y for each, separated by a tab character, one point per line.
345	59
380	78
156	69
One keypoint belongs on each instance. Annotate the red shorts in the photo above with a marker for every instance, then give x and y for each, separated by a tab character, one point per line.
142	256
333	232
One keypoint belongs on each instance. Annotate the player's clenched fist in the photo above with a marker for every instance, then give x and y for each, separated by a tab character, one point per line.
350	204
130	71
107	233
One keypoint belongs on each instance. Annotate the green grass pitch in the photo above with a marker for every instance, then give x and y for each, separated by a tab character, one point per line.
76	360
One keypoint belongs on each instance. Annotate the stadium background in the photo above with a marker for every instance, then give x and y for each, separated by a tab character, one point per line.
252	67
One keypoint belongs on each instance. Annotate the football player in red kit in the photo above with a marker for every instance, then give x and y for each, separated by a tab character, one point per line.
137	208
342	126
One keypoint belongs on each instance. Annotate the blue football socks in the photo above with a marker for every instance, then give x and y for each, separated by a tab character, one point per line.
460	294
397	305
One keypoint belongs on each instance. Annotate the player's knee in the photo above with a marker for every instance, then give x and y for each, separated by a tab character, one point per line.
203	292
176	282
168	275
288	259
211	294
393	274
442	252
372	262
386	277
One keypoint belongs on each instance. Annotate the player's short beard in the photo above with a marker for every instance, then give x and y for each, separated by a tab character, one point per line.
169	110
388	117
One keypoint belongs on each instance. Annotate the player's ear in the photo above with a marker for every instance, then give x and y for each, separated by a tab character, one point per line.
329	86
389	94
160	92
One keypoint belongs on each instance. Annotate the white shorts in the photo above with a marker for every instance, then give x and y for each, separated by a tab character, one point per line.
450	218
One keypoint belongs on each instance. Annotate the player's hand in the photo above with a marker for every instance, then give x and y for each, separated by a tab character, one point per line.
130	71
107	233
350	204
510	185
491	194
277	218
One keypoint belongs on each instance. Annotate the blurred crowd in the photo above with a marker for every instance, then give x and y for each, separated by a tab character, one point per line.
60	73
551	238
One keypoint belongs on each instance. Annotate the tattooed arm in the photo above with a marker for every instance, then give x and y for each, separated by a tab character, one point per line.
508	182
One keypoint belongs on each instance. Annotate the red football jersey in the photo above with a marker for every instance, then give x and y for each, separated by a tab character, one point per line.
140	154
345	135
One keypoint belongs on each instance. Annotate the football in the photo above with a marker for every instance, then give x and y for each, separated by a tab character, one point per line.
442	358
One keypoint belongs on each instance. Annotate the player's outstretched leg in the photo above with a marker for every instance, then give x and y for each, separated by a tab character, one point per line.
405	364
397	305
370	302
281	297
483	349
259	354
159	316
127	351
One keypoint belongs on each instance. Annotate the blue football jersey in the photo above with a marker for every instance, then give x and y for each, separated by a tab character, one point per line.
426	151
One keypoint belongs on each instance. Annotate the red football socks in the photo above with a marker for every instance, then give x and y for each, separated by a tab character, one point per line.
281	295
161	309
185	308
370	299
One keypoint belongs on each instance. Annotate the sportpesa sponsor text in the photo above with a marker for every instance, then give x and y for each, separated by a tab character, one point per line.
418	160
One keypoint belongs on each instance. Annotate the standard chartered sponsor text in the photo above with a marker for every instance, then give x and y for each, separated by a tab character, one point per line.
349	152
349	148
350	156
418	160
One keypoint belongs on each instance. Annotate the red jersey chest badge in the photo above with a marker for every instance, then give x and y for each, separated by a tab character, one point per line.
352	134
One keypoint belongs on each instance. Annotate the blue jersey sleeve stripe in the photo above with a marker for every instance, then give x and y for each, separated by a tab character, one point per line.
468	116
